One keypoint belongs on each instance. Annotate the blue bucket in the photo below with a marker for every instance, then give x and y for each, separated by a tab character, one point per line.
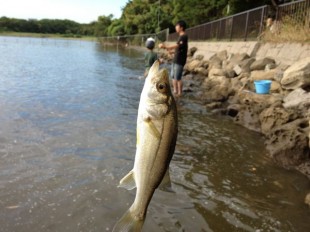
263	86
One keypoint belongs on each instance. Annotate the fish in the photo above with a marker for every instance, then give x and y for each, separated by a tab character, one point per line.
157	130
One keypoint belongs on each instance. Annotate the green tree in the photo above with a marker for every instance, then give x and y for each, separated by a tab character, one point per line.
102	25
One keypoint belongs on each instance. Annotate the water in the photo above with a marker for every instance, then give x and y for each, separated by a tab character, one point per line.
67	136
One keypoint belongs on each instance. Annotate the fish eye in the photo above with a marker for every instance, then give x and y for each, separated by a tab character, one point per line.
162	87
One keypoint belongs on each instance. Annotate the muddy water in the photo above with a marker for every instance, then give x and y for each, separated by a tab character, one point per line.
67	135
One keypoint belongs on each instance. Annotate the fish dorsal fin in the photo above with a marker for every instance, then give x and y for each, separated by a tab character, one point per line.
128	182
154	69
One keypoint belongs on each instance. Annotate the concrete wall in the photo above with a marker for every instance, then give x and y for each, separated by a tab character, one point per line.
208	49
286	53
283	53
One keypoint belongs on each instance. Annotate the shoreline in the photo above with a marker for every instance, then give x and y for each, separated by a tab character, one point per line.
47	36
224	83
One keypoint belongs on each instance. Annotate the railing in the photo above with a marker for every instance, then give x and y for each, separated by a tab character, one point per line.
247	25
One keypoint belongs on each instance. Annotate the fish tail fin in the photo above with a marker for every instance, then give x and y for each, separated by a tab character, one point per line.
128	223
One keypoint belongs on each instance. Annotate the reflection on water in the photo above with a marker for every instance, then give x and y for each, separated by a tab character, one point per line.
67	136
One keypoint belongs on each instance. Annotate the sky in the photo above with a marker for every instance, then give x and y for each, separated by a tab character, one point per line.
81	11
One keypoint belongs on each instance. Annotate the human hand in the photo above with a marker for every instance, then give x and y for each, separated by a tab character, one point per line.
161	45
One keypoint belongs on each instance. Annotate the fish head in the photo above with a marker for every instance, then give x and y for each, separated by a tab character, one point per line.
157	85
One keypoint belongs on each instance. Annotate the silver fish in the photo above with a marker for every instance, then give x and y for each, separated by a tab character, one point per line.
157	129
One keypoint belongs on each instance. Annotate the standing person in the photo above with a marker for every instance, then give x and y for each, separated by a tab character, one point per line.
151	56
180	56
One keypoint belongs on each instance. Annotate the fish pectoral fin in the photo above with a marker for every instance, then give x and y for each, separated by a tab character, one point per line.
153	130
128	182
129	223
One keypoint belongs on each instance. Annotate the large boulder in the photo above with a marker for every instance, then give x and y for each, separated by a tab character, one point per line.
297	75
217	72
275	87
192	65
192	51
237	58
252	105
261	64
229	69
275	116
263	100
263	75
215	62
217	88
247	116
236	84
199	57
288	144
202	71
299	98
246	64
222	55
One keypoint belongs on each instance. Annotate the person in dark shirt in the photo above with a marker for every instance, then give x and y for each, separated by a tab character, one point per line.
180	56
150	57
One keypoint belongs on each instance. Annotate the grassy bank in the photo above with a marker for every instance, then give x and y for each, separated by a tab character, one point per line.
55	36
289	30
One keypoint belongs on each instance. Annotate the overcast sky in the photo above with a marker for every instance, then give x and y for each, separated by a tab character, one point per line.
82	11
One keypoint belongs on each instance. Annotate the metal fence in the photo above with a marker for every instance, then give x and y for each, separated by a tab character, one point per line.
247	25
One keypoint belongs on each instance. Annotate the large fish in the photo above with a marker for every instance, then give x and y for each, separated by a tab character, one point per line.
157	128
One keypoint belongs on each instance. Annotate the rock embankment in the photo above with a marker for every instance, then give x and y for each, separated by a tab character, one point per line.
225	84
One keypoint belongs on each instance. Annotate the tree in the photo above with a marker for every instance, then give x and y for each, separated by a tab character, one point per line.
101	27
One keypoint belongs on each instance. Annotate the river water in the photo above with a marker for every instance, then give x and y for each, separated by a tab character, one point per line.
67	136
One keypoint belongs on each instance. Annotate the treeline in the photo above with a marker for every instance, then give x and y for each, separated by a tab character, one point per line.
149	16
46	26
139	17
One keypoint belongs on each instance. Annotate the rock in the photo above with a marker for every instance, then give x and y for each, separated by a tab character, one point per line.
263	75
238	57
222	55
194	78
261	64
236	84
298	98
297	75
229	69
201	70
218	93
217	80
275	116
230	73
199	57
248	117
192	51
307	199
246	64
205	64
217	72
191	65
214	105
263	100
275	87
233	110
288	144
304	168
215	62
217	88
237	69
270	66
